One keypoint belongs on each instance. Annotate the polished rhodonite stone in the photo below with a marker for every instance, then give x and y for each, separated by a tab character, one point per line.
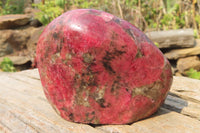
97	68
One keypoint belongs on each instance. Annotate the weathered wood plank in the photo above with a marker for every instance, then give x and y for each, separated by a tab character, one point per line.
182	106
173	38
24	108
164	121
33	74
175	54
186	88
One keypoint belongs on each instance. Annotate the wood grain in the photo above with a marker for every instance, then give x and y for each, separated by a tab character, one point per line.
24	109
173	38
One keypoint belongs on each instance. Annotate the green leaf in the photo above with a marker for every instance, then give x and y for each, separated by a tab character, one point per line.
192	73
157	44
7	65
49	11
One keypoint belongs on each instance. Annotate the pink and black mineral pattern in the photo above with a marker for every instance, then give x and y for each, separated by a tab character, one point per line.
97	68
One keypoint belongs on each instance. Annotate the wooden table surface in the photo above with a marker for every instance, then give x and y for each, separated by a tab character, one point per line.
24	109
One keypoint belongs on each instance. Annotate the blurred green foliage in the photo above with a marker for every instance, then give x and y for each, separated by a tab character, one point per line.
192	73
7	65
60	3
11	7
146	15
49	11
157	44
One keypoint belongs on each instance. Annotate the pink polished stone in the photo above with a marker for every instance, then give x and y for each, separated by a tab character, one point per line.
97	68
